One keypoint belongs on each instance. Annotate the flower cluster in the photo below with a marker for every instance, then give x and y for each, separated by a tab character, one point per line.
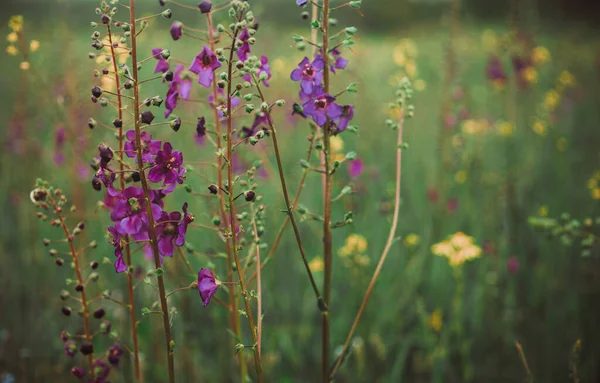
15	38
457	248
353	253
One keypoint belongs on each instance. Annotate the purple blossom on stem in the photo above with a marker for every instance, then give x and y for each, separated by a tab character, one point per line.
102	370
309	74
168	168
187	219
59	143
204	65
70	349
179	87
150	147
200	131
176	30
355	168
162	65
205	6
130	212
322	108
301	3
107	177
339	62
115	241
207	285
264	67
114	354
221	102
167	231
78	372
345	117
244	50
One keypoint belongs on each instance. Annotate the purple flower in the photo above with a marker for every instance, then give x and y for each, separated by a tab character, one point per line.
167	231
345	117
120	265
59	143
207	285
78	372
176	28
168	168
114	354
322	108
356	168
130	211
204	65
70	349
200	131
309	74
221	102
187	219
101	369
301	3
264	67
150	147
519	65
171	99
205	6
180	86
494	70
162	65
107	177
339	61
244	50
513	265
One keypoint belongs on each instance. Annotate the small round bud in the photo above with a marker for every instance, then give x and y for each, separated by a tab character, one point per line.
99	314
305	15
249	195
94	265
166	13
66	311
96	91
46	241
86	348
216	220
59	262
135	177
175	124
213	189
168	76
79	287
105	19
128	85
118	123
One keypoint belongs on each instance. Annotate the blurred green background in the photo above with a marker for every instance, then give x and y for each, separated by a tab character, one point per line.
482	159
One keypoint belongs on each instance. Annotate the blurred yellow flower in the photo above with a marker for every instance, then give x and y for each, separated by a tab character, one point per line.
12	37
473	127
34	45
540	128
489	40
24	65
566	78
411	69
436	320
592	183
412	240
12	50
458	248
543	211
420	85
461	177
362	260
540	55
16	23
562	144
505	128
551	100
596	193
399	56
316	264
530	75
336	144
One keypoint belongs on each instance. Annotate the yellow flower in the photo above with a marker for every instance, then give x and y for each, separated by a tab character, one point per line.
461	177
16	23
399	56
530	75
12	50
317	264
489	40
540	128
436	320
336	144
543	211
505	128
443	249
34	45
357	243
562	144
24	65
566	78
410	68
458	248
551	100
596	193
412	240
475	126
12	37
540	55
592	183
362	260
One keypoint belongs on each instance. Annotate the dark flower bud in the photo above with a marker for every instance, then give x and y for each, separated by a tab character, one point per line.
105	19
147	102
175	124
161	3
59	262
39	195
64	295
305	15
94	265
96	183
86	348
66	311
249	195
166	13
147	117
221	84
94	99
213	189
52	252
79	287
118	123
99	314
104	71
64	336
205	6
106	153
97	44
92	123
46	241
128	85
168	76
135	177
78	372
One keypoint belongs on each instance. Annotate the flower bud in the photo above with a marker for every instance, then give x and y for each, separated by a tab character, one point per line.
99	314
96	91
166	13
175	124
249	195
147	117
205	6
168	76
213	189
86	348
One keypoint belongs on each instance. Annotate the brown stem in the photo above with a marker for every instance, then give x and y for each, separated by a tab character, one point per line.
327	240
384	254
131	296
84	303
146	189
233	304
230	178
258	283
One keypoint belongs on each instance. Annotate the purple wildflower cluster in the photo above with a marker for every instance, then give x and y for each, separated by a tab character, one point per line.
322	107
129	208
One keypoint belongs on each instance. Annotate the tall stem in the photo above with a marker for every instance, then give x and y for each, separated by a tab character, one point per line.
233	303
384	254
258	281
131	296
146	189
238	265
80	281
327	240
